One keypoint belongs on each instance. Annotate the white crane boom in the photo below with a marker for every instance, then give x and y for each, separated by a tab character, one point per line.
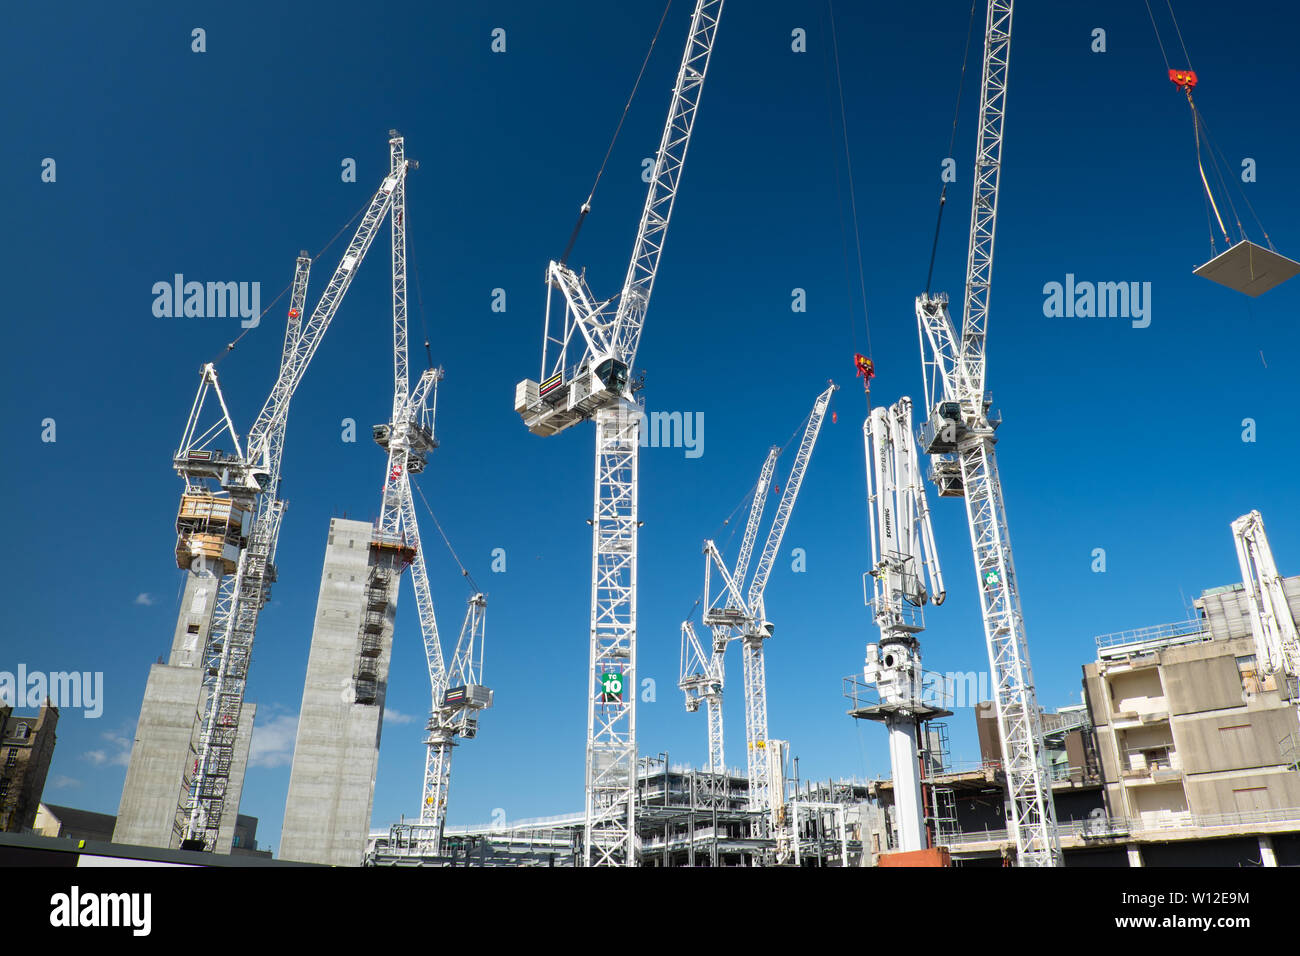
669	161
788	497
755	514
959	437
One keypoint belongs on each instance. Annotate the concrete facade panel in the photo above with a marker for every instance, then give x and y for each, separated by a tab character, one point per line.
336	751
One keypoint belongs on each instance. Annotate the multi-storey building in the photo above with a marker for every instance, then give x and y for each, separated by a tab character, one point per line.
26	749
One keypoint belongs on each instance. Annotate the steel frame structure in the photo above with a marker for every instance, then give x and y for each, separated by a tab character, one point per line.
251	477
598	387
960	438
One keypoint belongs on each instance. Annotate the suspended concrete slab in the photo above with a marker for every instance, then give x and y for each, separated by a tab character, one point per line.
1249	268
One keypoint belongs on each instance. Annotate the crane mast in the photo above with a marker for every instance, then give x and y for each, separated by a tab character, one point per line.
902	544
1277	642
606	334
232	534
959	437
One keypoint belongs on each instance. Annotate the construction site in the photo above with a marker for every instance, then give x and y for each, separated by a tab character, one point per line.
1180	746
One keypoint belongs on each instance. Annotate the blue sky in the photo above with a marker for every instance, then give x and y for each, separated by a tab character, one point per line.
222	165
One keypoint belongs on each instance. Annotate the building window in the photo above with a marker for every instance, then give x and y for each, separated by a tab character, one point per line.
4	788
20	732
11	758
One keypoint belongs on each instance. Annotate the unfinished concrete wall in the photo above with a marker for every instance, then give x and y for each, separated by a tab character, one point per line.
165	728
990	735
336	752
159	756
1138	692
166	735
1234	741
194	623
1204	677
1244	793
162	755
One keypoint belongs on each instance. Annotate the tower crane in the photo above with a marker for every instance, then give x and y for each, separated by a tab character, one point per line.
902	542
407	438
1277	643
734	614
703	676
229	523
756	628
603	336
959	437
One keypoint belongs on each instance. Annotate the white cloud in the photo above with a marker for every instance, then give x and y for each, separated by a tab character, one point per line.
59	781
118	754
145	599
273	741
397	717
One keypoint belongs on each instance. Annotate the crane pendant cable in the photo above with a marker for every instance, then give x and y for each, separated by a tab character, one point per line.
586	206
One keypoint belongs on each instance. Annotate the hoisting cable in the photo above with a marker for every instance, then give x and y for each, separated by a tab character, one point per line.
848	161
1178	30
1219	172
952	140
586	206
1211	145
1196	127
419	306
230	347
455	557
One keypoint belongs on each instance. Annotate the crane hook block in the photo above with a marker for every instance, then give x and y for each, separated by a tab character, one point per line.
1183	79
866	370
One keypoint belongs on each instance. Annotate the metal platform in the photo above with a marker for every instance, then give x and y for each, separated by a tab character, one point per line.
1249	268
883	712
